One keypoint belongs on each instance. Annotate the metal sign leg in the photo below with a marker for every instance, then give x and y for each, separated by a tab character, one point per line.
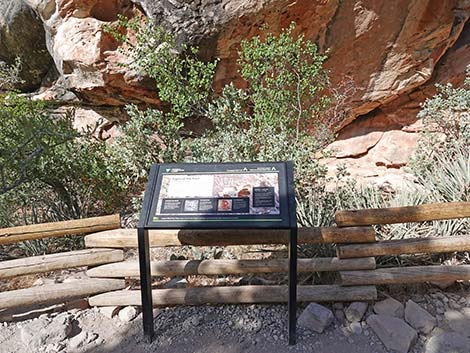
145	283
292	300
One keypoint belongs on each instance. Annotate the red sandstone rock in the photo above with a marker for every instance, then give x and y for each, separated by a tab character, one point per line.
394	51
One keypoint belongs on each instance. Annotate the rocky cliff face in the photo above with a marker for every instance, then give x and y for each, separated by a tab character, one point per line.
394	51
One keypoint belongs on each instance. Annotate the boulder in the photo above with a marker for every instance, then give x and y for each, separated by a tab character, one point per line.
355	311
390	307
358	138
316	318
448	342
459	321
419	318
394	333
394	148
22	35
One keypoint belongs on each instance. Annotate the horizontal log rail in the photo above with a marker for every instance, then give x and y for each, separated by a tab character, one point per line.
221	267
414	274
405	246
420	213
237	295
127	238
58	229
57	293
59	261
31	312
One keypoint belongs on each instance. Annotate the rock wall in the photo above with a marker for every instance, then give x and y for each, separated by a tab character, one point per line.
394	51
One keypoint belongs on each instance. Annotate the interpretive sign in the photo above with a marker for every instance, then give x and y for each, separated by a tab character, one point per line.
223	196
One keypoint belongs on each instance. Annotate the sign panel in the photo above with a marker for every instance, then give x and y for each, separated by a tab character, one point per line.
218	196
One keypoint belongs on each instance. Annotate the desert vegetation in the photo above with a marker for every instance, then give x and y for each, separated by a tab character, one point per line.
286	110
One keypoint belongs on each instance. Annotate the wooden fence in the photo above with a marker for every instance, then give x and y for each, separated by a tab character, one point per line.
107	271
59	292
125	238
354	238
412	274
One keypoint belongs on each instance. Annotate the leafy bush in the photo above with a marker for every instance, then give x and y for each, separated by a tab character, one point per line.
28	133
280	115
48	170
148	137
277	115
446	117
182	80
10	74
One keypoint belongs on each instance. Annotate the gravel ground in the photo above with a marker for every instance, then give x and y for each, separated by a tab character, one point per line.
227	329
242	328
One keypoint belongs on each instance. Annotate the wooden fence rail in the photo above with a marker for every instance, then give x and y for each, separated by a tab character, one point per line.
405	246
220	267
59	261
127	238
56	293
58	229
414	274
237	295
420	213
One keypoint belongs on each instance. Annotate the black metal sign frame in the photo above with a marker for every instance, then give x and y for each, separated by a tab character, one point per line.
155	215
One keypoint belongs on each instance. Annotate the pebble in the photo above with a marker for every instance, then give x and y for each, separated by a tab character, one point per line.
110	311
78	340
448	342
356	328
128	314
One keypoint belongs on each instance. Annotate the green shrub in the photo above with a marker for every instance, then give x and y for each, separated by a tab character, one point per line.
446	117
28	134
182	80
277	116
49	171
10	74
280	115
148	137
